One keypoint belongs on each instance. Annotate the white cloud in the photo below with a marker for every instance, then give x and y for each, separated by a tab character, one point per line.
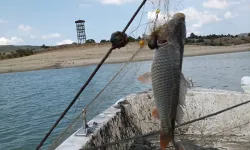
52	35
12	40
24	27
222	4
197	25
67	41
217	4
200	17
161	16
115	2
32	36
229	15
2	21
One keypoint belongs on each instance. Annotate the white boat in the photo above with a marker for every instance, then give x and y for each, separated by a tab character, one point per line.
131	116
245	84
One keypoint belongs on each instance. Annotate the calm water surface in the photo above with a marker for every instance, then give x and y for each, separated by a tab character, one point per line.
30	102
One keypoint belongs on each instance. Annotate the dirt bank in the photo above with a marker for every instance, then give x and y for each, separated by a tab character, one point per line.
89	55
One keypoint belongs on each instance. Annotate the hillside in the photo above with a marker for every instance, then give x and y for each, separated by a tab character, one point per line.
9	48
12	51
218	40
91	54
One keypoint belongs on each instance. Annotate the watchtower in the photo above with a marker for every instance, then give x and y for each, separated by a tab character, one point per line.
80	29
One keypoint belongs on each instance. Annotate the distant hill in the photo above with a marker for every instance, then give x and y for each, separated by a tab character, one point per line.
243	34
9	48
13	51
218	40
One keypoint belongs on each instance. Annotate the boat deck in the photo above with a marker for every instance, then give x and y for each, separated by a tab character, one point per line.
195	142
131	116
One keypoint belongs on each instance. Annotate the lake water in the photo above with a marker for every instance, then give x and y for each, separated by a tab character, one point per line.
30	102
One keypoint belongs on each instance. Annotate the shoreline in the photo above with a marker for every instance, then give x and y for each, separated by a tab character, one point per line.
88	56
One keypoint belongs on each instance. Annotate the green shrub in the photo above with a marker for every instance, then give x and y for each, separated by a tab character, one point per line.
90	41
200	40
14	54
24	52
44	46
131	39
104	41
221	44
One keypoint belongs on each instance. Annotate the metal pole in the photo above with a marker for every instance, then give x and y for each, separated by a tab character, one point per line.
85	125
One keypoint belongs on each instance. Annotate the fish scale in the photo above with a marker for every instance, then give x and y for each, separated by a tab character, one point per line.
165	71
168	83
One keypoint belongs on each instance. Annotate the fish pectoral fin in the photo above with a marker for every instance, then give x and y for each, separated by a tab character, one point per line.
164	140
155	113
146	78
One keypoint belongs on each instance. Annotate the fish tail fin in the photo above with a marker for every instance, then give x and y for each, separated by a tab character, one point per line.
179	146
164	140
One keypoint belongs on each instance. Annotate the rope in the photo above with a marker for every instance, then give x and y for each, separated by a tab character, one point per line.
89	79
177	126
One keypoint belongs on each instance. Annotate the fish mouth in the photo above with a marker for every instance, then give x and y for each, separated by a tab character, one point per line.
174	28
177	27
179	16
172	31
162	41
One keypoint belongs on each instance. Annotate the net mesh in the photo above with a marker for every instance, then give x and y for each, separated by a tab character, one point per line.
119	84
123	75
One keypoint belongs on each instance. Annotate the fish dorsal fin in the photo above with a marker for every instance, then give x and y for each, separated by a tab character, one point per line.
184	85
146	78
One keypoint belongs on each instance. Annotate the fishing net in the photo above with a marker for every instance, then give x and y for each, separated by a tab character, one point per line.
122	78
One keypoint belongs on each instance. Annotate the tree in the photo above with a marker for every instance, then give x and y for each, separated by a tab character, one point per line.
139	38
90	41
248	34
192	35
131	39
44	46
104	41
74	43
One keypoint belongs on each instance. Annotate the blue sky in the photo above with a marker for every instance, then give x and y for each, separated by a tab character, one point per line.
51	22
